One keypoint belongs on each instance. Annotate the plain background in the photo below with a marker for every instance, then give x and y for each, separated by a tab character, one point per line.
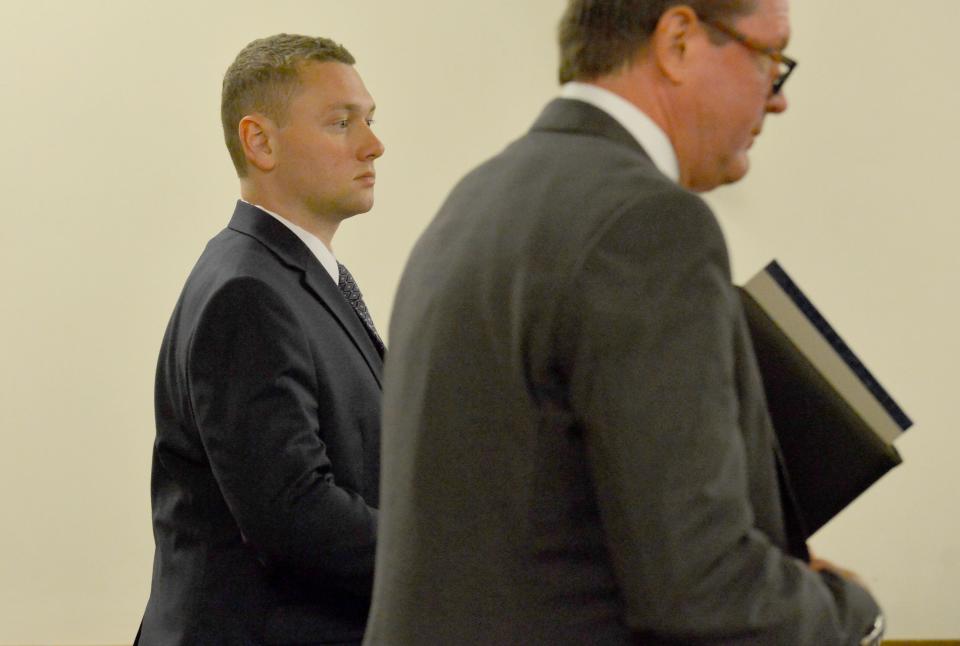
115	175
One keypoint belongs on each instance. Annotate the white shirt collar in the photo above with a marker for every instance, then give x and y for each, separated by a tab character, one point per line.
648	134
314	244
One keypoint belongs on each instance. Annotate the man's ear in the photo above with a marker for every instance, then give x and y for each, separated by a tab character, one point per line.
671	42
259	144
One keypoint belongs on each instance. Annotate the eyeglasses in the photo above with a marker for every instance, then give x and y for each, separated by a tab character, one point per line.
784	62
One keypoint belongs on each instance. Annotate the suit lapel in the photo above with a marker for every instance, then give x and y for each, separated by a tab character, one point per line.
291	251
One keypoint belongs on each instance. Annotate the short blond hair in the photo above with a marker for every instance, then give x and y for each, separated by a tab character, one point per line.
264	78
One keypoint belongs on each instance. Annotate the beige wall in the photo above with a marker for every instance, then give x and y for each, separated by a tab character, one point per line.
114	176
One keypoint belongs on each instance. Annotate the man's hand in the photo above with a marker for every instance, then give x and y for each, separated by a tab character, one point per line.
820	565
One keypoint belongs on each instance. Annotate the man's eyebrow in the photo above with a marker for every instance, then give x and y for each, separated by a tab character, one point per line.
353	107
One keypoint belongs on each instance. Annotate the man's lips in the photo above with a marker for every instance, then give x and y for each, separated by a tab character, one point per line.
367	178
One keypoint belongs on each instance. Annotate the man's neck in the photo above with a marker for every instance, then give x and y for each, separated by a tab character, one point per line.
628	114
649	93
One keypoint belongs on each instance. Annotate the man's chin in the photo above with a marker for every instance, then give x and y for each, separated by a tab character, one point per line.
733	171
738	169
357	207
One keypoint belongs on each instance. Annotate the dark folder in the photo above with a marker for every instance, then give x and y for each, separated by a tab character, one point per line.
835	422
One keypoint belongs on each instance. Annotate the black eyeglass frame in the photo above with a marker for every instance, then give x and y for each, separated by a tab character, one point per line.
776	55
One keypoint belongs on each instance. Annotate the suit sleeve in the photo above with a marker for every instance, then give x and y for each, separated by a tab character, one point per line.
653	383
253	388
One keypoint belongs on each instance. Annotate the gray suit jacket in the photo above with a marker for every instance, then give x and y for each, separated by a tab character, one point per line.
576	446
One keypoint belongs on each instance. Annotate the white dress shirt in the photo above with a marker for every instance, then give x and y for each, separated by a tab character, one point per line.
648	134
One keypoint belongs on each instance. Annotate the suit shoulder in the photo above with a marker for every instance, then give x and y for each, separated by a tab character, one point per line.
663	225
232	256
235	294
237	279
239	252
666	205
242	307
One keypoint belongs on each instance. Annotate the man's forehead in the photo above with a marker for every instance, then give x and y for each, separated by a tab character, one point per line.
770	21
337	85
776	8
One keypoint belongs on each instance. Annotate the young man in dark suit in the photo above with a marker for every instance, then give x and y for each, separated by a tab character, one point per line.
268	386
577	449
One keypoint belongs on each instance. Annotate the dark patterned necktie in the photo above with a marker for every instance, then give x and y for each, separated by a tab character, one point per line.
348	286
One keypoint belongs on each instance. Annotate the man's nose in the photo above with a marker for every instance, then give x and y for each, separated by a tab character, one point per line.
777	103
372	147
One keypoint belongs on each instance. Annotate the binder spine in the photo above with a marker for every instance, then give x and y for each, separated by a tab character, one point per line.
777	273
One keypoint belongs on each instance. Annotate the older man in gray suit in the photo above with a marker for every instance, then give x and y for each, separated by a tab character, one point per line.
576	444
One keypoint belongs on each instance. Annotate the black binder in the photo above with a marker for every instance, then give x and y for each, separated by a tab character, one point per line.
836	424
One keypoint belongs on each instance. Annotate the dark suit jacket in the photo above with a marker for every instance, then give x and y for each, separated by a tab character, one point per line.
266	461
576	444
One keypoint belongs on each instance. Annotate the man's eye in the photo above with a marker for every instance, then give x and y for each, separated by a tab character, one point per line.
371	121
343	123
